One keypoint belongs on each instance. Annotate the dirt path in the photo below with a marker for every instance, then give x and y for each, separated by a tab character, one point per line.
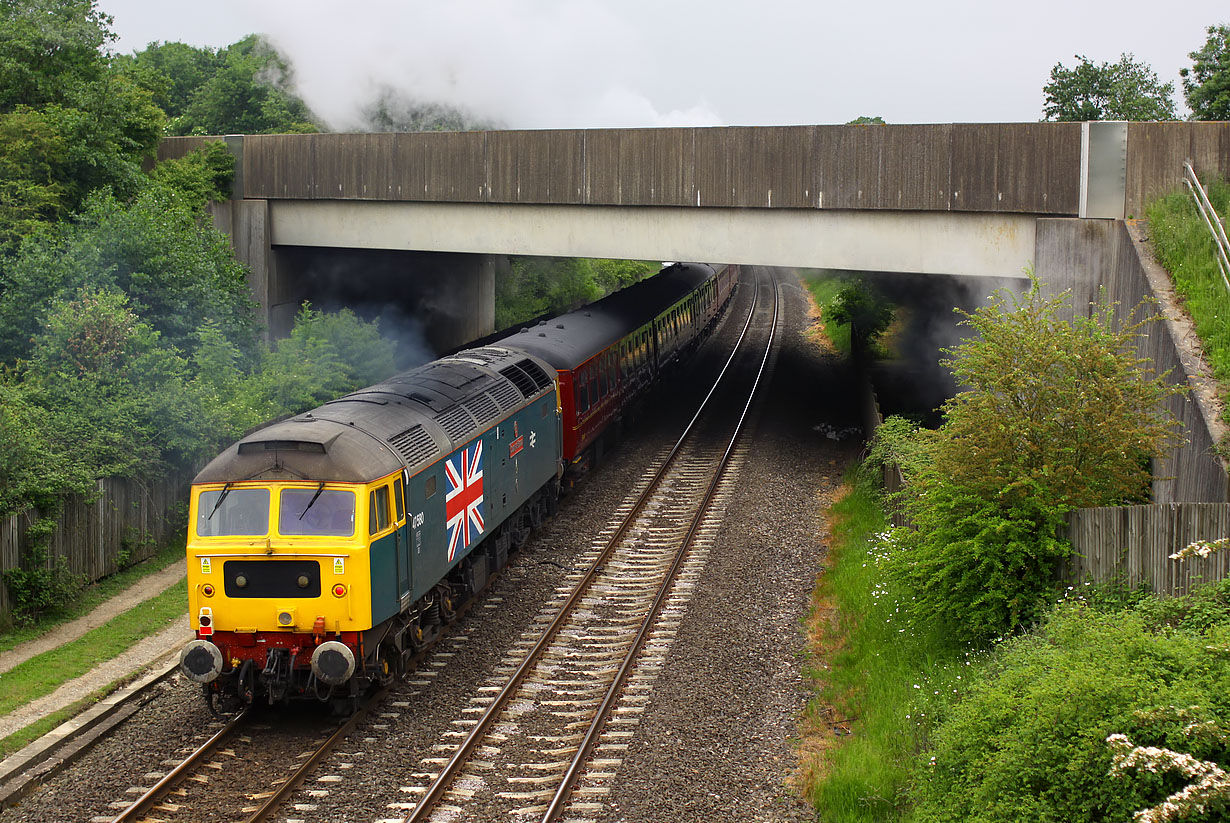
138	592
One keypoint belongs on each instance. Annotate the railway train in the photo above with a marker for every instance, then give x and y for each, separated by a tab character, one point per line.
326	550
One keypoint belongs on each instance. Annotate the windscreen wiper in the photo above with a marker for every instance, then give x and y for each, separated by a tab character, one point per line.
319	489
225	491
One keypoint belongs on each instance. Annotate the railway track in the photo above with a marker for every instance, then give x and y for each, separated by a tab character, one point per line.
242	772
546	738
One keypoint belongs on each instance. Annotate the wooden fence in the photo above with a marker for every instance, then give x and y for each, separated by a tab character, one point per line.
132	517
1133	544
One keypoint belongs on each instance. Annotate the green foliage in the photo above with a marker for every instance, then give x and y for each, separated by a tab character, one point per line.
1185	247
176	273
39	586
1206	85
1029	741
391	110
247	89
864	120
326	355
69	121
534	286
1126	90
175	71
886	681
200	176
30	194
864	309
1056	415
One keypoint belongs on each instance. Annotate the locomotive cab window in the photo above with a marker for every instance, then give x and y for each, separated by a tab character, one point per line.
228	512
399	500
378	510
429	487
321	512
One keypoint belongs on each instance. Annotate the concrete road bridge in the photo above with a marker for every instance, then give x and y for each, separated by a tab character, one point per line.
955	199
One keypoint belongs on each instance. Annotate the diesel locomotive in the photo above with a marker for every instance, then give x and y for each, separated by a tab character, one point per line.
326	550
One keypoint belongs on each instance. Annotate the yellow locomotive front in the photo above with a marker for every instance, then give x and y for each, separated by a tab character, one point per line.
274	585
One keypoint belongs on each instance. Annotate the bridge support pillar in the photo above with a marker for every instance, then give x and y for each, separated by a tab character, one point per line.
440	300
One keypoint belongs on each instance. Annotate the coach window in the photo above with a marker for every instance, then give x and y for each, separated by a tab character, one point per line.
582	398
602	381
378	510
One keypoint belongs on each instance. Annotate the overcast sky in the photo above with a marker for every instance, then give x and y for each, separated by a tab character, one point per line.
620	63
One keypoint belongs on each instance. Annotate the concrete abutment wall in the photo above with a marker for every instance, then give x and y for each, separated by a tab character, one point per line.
1109	260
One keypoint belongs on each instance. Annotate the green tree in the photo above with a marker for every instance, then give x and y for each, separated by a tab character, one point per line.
1206	85
249	93
175	70
864	120
176	273
393	110
72	123
1057	414
30	193
1126	90
865	310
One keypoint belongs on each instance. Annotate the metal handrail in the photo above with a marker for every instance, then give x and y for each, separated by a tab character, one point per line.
1211	220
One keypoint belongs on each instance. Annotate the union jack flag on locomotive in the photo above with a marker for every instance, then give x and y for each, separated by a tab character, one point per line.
463	503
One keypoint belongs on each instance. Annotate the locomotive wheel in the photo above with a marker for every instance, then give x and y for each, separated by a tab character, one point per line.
447	612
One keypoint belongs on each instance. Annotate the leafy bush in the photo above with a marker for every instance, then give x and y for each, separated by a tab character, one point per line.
38	586
1029	741
864	310
1057	415
534	286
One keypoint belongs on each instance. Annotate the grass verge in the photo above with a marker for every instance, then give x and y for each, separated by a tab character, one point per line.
1185	247
45	673
824	286
880	686
93	596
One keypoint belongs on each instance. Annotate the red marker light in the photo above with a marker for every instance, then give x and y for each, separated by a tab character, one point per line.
339	590
207	590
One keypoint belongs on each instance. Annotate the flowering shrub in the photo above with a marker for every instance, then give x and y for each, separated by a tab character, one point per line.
1029	739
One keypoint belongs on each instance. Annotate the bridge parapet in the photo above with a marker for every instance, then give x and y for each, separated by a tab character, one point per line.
1024	168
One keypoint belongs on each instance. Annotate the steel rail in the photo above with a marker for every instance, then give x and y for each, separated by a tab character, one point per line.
156	792
448	774
564	792
273	801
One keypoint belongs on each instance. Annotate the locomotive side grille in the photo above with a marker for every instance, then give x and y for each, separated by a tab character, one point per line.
520	379
414	444
483	408
506	396
456	422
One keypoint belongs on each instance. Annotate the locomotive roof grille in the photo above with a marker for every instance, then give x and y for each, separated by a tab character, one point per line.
414	444
281	445
506	396
483	408
457	422
540	377
524	383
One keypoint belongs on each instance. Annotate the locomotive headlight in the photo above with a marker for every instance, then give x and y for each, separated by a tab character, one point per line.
303	581
286	617
241	581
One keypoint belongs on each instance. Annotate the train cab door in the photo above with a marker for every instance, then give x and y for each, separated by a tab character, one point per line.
401	545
